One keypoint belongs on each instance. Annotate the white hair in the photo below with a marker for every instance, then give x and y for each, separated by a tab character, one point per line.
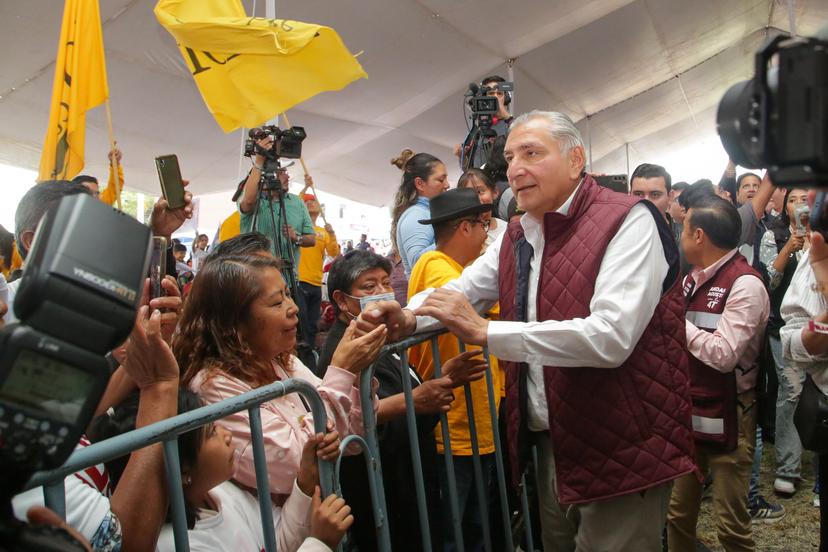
559	125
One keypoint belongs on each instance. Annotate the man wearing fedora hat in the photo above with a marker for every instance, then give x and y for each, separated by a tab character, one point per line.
592	324
460	230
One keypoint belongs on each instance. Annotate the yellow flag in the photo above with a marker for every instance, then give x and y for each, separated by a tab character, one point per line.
249	69
230	227
79	85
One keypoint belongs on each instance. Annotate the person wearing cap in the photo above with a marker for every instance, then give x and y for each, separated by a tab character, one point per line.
592	333
311	263
460	229
297	233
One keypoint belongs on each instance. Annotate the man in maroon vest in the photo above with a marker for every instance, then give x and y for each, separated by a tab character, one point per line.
592	329
727	310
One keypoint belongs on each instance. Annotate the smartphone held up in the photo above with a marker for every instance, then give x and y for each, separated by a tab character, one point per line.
169	175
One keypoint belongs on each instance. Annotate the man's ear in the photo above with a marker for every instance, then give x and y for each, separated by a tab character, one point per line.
577	162
26	239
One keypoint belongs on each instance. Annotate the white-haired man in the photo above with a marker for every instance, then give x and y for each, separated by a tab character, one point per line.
592	322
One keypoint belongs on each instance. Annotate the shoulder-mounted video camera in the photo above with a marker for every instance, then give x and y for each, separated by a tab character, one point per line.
286	143
75	303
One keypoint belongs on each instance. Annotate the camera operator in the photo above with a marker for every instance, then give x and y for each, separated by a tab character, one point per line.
500	121
299	230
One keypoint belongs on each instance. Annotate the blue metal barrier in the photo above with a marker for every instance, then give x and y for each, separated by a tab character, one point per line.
373	460
167	431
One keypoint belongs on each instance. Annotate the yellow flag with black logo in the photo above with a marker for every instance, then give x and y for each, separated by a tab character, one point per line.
249	69
79	85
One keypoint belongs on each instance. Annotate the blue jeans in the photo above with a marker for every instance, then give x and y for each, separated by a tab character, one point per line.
788	445
468	503
312	296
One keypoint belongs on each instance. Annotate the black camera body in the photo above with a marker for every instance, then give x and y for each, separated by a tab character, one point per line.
779	118
74	304
287	143
485	107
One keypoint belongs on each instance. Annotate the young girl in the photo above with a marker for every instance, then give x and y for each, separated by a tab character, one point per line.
486	190
236	334
220	514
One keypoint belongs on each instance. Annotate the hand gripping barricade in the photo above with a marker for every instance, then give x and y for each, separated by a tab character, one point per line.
167	432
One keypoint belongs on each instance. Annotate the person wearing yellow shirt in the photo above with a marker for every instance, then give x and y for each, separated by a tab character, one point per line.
460	227
310	267
109	194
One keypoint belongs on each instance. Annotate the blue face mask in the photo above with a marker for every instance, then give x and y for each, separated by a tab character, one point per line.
368	299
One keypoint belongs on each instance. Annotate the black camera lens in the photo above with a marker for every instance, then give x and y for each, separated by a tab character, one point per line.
740	121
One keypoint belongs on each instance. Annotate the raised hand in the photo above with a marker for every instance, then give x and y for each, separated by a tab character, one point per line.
164	221
433	396
453	309
149	360
170	306
466	367
400	322
357	353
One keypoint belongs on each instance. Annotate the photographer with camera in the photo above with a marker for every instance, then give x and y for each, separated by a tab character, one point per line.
487	123
298	232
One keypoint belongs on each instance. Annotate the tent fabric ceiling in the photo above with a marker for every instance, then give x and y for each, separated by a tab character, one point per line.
648	73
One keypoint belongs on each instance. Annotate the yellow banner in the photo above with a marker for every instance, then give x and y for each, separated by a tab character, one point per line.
80	84
250	69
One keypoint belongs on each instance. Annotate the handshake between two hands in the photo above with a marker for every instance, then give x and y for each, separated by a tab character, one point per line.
451	308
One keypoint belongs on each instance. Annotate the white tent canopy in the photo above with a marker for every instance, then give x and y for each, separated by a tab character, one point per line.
642	76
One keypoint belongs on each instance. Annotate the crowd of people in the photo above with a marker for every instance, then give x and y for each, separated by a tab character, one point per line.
645	343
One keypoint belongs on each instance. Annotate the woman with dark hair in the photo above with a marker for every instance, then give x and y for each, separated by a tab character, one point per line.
354	277
424	177
479	181
220	514
781	251
236	334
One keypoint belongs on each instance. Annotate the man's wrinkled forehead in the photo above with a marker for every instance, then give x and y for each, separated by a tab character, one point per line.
528	135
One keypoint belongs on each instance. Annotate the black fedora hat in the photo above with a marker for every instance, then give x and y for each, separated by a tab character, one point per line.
454	204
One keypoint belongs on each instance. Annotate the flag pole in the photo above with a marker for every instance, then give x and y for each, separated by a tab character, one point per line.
117	179
305	168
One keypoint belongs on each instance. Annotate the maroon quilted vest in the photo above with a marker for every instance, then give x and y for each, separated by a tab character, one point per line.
713	393
614	431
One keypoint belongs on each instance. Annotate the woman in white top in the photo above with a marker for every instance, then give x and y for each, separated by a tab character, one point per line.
487	192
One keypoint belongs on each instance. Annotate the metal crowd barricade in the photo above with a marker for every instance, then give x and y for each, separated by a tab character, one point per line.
167	431
371	454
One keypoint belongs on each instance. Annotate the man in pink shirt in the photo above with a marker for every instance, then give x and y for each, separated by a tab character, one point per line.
727	310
